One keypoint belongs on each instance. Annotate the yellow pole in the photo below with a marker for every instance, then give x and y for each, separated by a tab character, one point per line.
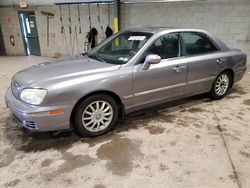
116	25
116	11
116	30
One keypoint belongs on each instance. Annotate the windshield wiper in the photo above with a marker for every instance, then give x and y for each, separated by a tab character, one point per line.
97	58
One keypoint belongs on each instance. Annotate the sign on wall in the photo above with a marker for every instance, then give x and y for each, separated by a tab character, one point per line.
23	4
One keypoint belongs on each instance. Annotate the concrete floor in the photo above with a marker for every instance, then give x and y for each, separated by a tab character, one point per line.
190	143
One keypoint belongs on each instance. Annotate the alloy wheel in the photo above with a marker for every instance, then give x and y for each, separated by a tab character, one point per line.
97	116
222	84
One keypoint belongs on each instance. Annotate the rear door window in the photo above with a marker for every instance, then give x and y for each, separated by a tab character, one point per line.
197	43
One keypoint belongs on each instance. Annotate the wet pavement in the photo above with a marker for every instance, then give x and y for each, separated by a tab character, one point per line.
193	142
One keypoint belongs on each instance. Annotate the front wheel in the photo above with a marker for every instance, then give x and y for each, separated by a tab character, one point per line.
221	85
96	115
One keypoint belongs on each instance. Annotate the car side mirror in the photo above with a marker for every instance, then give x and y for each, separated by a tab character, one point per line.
151	59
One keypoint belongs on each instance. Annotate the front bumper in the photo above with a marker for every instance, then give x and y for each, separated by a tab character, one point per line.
38	118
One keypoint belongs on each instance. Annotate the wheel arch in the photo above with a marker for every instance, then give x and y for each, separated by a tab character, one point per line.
231	72
116	97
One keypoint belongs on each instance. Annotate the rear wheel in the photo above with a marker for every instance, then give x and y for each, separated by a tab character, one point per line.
96	115
221	85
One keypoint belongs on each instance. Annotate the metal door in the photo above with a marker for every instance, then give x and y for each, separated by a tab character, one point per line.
164	80
2	47
30	34
202	71
161	81
204	61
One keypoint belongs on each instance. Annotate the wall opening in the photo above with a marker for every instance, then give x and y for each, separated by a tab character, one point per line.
2	47
29	32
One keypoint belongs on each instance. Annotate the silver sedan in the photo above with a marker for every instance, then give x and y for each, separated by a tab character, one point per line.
132	70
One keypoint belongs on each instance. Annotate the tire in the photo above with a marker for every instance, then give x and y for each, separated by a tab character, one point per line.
91	122
221	86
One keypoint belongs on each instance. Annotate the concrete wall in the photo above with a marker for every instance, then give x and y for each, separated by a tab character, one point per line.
229	20
58	43
10	26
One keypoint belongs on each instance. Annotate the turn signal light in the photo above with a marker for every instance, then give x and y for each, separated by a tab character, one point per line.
56	112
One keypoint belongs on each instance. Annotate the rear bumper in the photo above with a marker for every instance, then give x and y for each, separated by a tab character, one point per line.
239	74
37	118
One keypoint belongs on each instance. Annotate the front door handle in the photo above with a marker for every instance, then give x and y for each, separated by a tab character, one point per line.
179	68
220	61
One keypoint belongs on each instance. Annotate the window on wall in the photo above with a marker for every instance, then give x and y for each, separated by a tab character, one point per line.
196	43
167	46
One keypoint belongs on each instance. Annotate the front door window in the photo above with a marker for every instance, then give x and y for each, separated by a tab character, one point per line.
167	46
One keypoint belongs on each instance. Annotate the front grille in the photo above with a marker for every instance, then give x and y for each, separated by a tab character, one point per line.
15	88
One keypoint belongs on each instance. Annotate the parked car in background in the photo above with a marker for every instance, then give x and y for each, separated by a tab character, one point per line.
132	70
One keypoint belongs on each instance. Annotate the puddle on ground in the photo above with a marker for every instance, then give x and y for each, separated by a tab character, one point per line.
46	162
163	167
146	117
186	121
7	157
239	117
154	130
241	113
99	186
182	122
227	118
197	136
233	137
233	96
237	89
99	139
12	183
245	154
71	162
120	153
173	143
247	102
194	110
26	141
68	181
143	119
232	177
197	125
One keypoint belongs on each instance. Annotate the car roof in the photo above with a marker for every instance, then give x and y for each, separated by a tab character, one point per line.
154	30
157	30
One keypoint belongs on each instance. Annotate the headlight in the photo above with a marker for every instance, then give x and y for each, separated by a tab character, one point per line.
33	96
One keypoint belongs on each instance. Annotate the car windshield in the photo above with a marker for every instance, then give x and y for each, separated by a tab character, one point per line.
120	48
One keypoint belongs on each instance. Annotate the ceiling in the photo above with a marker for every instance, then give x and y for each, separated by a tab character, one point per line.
50	2
47	2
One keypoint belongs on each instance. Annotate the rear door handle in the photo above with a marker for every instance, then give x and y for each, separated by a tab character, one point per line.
220	61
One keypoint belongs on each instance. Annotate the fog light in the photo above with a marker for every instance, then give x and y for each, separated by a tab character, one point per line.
24	122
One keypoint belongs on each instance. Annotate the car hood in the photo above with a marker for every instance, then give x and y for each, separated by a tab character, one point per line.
62	69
